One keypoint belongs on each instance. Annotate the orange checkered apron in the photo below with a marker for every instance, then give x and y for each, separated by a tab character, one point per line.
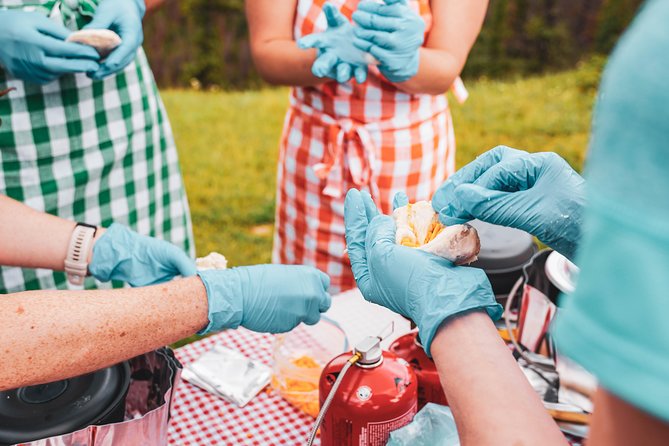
339	136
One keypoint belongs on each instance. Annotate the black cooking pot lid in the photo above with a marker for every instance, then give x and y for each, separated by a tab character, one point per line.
45	410
502	248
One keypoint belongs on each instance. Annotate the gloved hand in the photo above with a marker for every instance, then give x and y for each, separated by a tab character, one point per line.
393	33
421	286
123	254
125	18
337	57
265	298
538	193
33	48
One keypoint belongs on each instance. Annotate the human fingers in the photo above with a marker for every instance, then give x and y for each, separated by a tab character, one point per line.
59	66
334	17
512	174
314	40
381	231
370	207
119	58
356	223
381	54
180	263
343	72
376	22
362	44
400	199
56	47
492	206
444	195
325	300
382	39
389	9
324	64
52	29
360	74
317	300
37	74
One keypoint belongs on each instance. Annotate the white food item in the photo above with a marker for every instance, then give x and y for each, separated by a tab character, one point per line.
414	224
213	260
103	40
458	243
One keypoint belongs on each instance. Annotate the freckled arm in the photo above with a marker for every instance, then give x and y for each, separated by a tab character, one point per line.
50	335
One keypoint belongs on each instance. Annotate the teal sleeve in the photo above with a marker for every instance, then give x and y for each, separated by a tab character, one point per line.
616	324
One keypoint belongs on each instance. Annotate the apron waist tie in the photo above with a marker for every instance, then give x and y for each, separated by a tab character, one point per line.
348	145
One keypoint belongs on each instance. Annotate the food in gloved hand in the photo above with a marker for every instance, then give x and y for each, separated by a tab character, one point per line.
103	40
418	226
213	260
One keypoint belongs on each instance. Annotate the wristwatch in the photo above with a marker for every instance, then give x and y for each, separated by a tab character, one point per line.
76	261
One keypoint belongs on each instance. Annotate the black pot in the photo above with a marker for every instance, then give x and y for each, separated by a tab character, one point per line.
504	252
45	410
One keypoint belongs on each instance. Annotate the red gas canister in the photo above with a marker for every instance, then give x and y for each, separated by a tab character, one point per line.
376	396
408	348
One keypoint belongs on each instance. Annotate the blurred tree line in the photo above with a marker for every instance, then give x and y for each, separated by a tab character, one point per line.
204	43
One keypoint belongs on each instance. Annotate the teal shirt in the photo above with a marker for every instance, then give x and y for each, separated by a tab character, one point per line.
616	324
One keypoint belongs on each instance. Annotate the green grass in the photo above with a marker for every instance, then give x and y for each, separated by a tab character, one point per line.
228	146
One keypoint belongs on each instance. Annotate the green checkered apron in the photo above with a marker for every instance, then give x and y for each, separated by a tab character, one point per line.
91	151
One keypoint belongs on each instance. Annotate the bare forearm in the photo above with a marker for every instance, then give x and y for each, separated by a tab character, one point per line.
482	381
437	71
52	335
33	239
281	62
275	52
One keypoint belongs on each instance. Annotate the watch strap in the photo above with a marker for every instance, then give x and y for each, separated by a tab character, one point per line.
76	261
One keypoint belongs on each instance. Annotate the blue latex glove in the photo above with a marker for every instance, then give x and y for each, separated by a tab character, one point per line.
33	48
124	17
393	33
265	298
337	57
538	193
433	425
122	254
421	286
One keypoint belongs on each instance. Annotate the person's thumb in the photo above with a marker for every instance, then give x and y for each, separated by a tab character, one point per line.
185	265
333	16
400	200
481	203
356	223
381	232
310	41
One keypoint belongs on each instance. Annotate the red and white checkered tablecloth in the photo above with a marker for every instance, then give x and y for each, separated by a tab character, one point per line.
199	418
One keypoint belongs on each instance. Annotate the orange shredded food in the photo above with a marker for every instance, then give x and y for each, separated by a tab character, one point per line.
301	392
433	231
